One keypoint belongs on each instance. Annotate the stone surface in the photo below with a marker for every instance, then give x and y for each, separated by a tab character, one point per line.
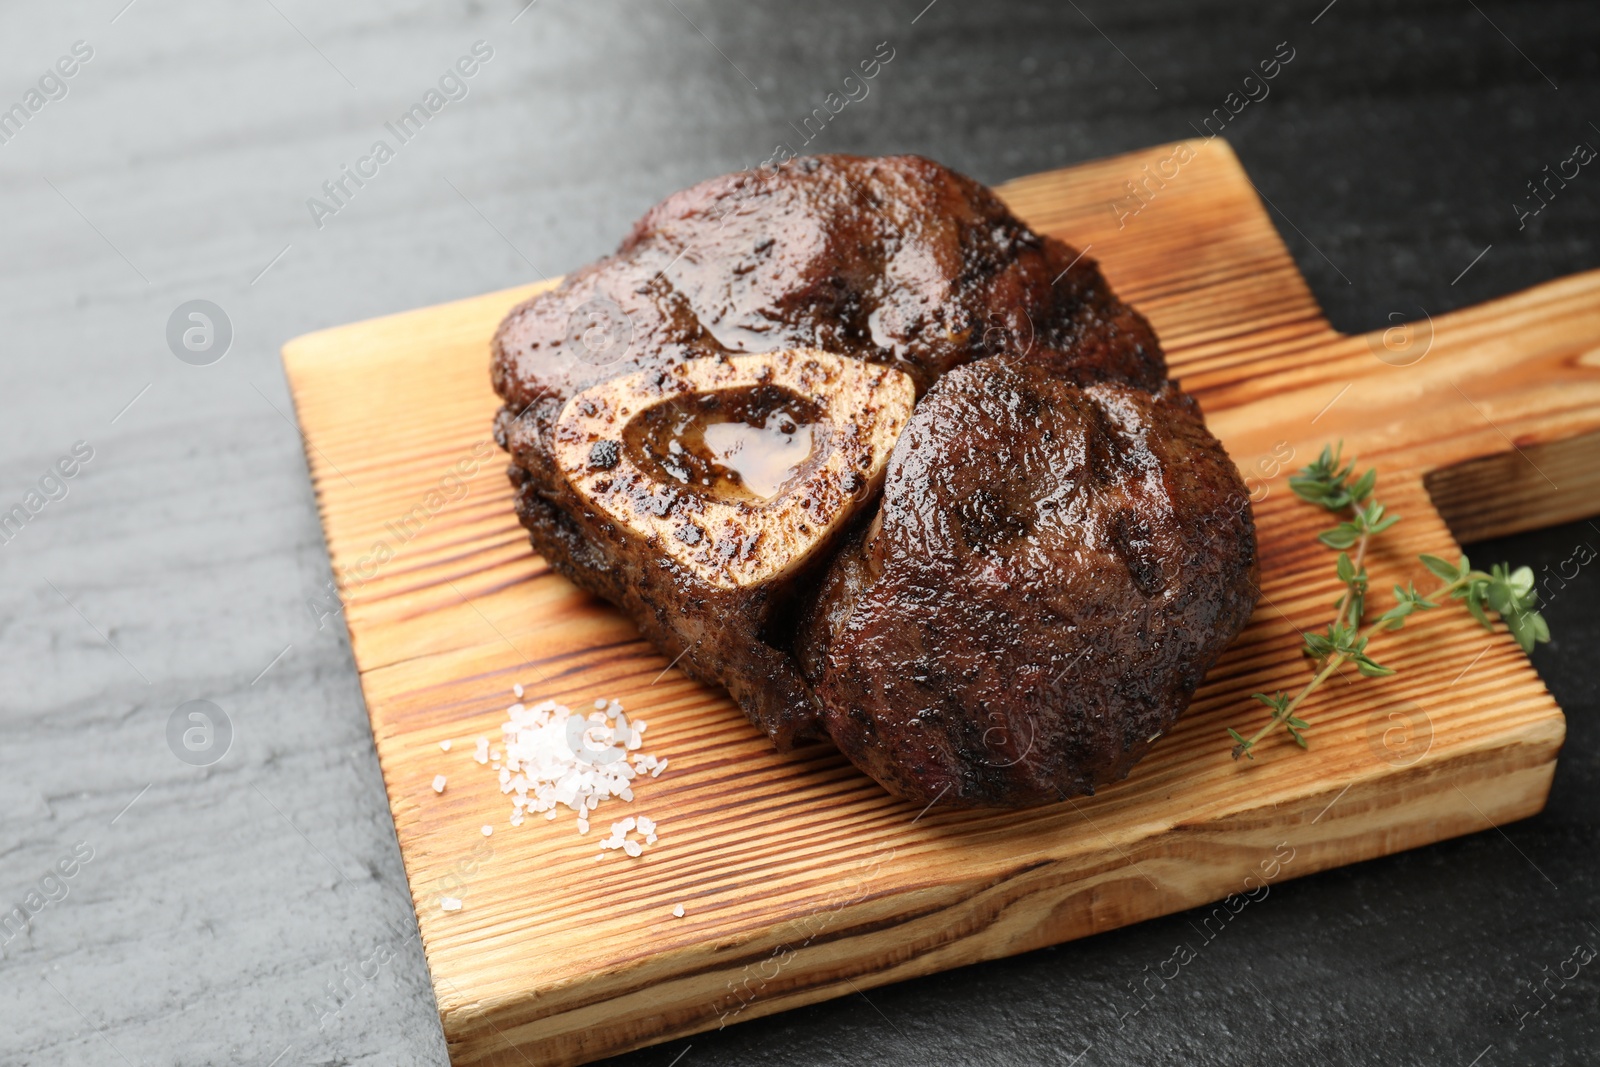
185	561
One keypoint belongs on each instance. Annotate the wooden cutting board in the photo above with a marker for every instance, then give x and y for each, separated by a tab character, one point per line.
801	880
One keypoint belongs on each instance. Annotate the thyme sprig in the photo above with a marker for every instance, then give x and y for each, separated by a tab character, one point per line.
1333	484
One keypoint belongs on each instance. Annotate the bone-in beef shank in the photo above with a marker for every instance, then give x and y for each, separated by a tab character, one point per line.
1000	595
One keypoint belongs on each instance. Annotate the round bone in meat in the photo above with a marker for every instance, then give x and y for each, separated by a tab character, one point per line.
638	449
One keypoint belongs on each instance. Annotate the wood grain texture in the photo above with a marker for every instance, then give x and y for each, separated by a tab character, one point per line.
800	878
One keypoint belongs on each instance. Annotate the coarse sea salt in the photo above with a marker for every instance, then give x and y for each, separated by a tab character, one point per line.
545	761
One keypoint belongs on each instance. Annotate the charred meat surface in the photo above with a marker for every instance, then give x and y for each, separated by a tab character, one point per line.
1075	515
1052	570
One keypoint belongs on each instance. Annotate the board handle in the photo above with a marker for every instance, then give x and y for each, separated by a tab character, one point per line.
1495	409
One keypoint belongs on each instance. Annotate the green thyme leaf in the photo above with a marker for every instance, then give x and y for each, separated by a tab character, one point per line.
1370	669
1277	701
1439	567
1474	598
1341	536
1521	581
1363	487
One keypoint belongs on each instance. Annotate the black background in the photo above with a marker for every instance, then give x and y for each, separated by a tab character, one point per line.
223	900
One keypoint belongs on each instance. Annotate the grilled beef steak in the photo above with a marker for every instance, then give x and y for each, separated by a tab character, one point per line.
699	427
1052	571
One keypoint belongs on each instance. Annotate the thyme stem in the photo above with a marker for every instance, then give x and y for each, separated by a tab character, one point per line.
1338	658
1333	485
1352	603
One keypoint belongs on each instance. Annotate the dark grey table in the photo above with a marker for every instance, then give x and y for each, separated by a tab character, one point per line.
211	911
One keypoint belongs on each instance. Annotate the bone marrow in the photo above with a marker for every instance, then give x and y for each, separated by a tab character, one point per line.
737	469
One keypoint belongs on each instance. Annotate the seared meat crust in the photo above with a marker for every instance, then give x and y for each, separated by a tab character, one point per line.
1053	570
